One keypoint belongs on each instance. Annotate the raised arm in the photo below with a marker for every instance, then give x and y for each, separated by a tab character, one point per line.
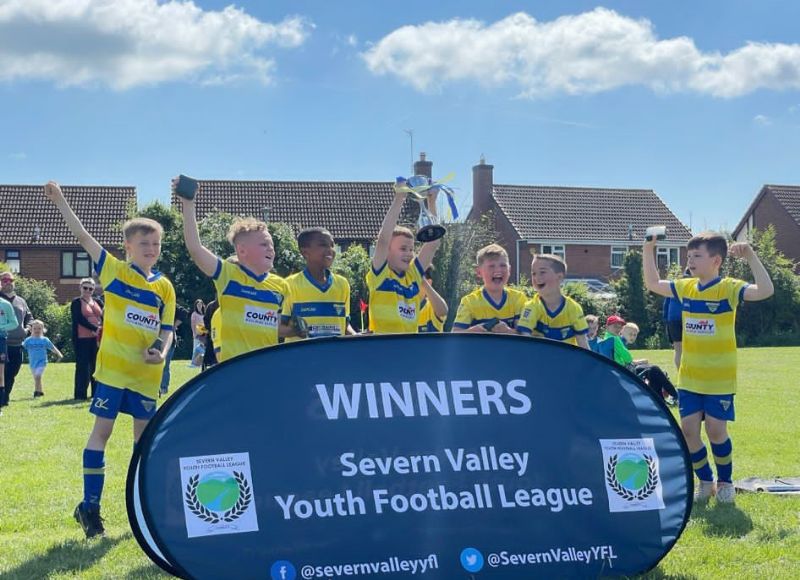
53	192
428	250
763	287
437	302
202	256
652	280
387	228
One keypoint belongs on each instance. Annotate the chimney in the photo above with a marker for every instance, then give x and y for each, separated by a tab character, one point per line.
423	167
482	184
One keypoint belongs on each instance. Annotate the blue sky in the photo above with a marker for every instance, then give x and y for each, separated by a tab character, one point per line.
699	101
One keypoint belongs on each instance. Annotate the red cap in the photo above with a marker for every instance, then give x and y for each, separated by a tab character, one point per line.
614	319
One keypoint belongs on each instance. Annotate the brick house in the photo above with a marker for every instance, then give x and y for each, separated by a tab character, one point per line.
35	242
591	228
351	210
777	205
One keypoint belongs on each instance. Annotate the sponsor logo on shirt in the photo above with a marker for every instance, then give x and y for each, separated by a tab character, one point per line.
407	311
700	326
142	319
260	316
324	330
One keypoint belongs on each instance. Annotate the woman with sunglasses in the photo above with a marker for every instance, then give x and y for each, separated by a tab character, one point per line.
87	319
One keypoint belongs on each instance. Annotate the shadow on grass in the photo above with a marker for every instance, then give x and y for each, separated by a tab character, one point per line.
64	403
659	574
725	520
71	556
147	571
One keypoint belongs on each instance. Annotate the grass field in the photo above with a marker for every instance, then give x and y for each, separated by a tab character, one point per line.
40	484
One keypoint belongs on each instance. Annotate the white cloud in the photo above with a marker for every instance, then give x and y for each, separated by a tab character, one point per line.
762	120
590	52
129	43
18	156
352	40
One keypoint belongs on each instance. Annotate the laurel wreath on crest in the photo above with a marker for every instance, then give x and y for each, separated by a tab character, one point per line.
205	514
645	492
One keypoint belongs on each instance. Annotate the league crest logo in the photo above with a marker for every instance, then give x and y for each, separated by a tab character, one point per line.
631	475
218	495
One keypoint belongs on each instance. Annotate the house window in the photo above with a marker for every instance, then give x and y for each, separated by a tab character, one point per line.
556	250
75	265
618	256
667	257
13	261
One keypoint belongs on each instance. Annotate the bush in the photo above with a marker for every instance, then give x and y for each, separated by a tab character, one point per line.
774	321
37	293
353	264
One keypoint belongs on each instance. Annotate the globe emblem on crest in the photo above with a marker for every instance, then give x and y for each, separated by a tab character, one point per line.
631	472
632	476
218	491
219	496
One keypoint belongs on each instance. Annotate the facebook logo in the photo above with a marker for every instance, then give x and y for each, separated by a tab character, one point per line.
282	570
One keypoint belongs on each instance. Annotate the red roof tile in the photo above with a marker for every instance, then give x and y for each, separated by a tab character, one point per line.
24	208
350	210
582	213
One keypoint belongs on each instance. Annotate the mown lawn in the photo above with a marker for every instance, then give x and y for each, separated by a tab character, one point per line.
40	484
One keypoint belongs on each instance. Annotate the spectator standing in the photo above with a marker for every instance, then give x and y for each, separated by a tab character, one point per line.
87	319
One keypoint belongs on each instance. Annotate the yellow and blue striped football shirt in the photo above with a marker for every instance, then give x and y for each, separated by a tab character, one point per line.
394	299
564	324
325	307
216	337
708	362
137	308
428	321
478	307
250	308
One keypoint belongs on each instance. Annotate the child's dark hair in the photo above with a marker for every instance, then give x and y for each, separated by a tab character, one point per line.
715	243
304	238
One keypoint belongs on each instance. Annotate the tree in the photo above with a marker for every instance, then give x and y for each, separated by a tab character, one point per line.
353	264
775	321
634	303
454	263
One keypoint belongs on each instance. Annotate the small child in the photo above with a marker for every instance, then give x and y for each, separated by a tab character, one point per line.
550	314
707	373
37	345
593	323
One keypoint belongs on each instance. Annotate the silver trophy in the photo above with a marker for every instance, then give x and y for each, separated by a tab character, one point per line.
420	187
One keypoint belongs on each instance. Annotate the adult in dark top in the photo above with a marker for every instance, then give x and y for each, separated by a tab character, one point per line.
16	336
87	319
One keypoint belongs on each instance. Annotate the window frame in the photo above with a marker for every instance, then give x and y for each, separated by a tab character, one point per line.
668	252
14	263
562	253
75	261
615	250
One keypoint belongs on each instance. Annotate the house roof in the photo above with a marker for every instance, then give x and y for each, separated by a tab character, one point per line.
787	195
24	208
350	210
580	213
